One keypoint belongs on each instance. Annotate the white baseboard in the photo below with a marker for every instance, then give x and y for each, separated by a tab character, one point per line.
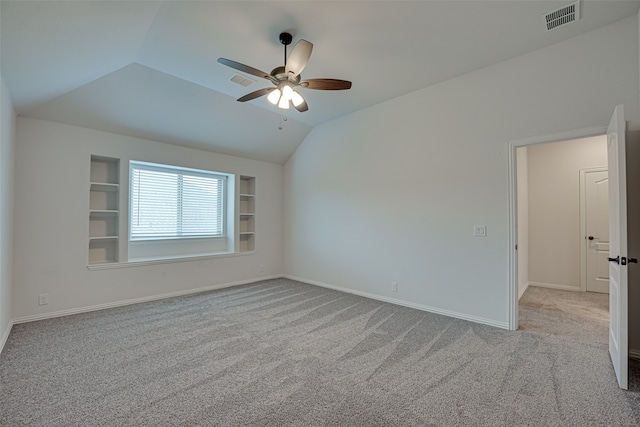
555	286
475	319
523	290
5	336
87	309
634	353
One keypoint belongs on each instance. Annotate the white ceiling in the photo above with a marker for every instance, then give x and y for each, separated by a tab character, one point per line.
149	69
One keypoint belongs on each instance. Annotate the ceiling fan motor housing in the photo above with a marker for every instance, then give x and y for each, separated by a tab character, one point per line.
282	76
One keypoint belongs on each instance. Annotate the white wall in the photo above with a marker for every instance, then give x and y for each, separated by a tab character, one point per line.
522	180
390	193
554	208
52	223
7	143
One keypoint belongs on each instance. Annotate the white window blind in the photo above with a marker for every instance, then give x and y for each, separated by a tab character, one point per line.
172	202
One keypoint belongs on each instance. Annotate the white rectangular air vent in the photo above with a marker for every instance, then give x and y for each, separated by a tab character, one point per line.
562	16
241	80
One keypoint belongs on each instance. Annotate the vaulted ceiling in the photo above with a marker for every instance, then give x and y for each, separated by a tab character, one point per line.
148	69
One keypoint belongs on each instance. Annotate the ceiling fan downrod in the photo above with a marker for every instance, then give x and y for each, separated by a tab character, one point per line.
285	39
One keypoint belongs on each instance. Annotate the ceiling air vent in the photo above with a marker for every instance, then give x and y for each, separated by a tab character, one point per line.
562	16
241	80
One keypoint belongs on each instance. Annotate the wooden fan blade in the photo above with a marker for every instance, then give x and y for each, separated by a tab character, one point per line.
302	107
326	84
299	57
245	68
256	94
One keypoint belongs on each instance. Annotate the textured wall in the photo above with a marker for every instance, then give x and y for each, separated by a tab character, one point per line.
391	193
52	222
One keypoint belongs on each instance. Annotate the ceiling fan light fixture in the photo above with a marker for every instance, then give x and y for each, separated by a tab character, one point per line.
296	98
284	103
274	96
287	92
286	78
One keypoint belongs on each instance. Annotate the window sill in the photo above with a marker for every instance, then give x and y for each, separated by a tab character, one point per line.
168	260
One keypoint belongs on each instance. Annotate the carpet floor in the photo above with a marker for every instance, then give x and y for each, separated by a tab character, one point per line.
284	353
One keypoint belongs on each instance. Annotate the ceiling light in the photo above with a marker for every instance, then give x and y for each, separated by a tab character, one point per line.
287	92
274	96
284	103
296	98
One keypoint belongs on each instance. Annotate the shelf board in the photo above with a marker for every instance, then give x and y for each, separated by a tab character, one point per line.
103	186
96	212
103	261
102	238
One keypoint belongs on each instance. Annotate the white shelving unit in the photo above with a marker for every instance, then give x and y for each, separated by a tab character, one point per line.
247	214
104	214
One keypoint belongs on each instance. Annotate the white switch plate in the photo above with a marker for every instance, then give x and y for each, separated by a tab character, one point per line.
480	230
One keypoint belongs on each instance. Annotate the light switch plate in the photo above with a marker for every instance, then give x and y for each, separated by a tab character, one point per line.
480	230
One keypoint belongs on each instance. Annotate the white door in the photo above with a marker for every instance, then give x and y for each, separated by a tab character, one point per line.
618	344
597	228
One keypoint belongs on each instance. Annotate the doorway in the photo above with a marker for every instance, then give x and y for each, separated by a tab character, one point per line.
562	193
621	237
515	287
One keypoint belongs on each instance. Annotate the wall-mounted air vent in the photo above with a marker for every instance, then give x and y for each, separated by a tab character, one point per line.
562	16
241	80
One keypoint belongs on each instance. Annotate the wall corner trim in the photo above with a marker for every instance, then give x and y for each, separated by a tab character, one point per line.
457	315
524	289
5	336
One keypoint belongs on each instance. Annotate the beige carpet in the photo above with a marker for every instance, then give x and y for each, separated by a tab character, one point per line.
575	315
283	353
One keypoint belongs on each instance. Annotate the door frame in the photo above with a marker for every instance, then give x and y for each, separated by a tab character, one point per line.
512	146
583	223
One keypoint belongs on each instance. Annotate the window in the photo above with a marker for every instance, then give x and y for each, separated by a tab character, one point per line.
177	212
168	202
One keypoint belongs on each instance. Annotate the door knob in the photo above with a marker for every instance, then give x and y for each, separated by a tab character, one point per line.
591	237
616	260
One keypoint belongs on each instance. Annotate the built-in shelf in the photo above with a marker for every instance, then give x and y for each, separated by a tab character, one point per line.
246	215
96	238
104	213
102	186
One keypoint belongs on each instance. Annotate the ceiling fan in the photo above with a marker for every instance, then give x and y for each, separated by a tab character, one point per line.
286	78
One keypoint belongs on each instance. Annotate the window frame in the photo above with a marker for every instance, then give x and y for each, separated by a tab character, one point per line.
178	170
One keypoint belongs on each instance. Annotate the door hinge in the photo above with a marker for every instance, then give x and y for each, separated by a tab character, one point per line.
516	247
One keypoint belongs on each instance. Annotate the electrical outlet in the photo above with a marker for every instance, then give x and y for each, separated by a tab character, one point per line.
394	286
43	299
261	269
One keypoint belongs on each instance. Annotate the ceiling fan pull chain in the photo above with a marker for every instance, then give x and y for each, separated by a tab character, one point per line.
282	119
